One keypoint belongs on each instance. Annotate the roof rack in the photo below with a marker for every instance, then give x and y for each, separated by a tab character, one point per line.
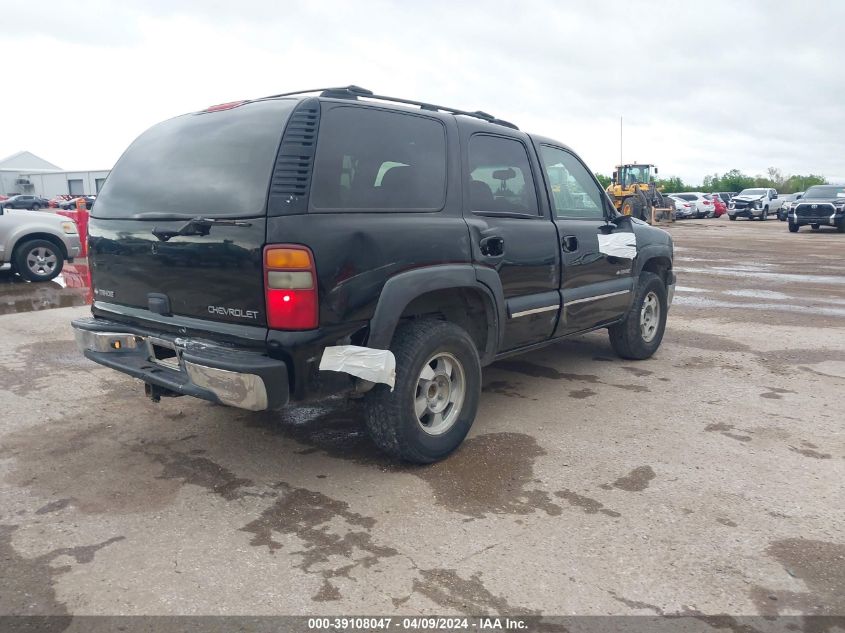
353	92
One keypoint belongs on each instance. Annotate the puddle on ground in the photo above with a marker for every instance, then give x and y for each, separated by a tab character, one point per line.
29	583
819	565
757	273
757	294
71	288
706	302
447	589
506	459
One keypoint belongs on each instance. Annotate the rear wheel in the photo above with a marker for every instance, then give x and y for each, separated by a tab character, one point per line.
815	227
38	260
435	398
639	335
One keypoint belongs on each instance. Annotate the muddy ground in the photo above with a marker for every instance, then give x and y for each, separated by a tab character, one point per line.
708	479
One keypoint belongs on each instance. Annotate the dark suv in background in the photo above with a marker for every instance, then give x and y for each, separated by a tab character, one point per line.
820	205
296	246
33	203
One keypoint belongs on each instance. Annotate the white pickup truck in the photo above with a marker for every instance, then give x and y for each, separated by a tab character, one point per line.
753	204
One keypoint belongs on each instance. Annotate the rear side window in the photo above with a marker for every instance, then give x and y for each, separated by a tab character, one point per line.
686	196
208	163
370	159
500	176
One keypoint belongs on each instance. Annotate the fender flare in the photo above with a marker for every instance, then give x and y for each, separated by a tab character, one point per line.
649	252
403	288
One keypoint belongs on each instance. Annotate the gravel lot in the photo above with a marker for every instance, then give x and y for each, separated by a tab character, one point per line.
708	479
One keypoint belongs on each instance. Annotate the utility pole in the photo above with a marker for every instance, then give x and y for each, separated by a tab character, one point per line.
620	141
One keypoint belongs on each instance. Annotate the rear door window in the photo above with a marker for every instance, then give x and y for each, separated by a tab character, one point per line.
206	163
370	159
500	176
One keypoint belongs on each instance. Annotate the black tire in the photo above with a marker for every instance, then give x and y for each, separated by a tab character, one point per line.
391	419
793	228
626	337
732	218
36	207
815	227
841	226
765	215
27	264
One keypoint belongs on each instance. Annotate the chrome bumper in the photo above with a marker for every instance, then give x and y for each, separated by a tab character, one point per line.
239	378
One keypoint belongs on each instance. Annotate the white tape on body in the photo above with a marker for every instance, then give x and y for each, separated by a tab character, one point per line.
618	244
375	365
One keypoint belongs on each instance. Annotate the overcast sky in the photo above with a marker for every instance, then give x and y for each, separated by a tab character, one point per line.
703	87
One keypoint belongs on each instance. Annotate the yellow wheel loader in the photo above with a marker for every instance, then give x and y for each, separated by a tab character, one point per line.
634	193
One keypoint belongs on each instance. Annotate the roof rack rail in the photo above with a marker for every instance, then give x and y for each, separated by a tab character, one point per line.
353	92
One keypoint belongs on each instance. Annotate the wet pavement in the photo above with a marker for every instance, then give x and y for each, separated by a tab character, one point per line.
72	287
705	480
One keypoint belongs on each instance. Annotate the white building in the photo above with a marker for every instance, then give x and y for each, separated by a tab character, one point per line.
27	173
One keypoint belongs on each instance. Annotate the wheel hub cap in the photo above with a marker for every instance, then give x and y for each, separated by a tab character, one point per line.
439	394
41	261
650	317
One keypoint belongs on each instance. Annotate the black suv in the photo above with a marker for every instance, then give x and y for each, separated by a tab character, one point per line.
296	246
821	204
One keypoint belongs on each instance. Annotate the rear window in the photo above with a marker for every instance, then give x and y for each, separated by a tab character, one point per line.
371	159
209	164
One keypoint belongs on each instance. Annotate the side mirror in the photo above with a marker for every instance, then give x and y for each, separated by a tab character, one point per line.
774	196
615	176
656	171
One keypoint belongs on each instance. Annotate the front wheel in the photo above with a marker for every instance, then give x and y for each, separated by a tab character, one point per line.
765	215
815	227
732	218
36	207
793	228
640	333
38	260
435	397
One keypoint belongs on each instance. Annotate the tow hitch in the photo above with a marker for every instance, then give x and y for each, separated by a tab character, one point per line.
156	393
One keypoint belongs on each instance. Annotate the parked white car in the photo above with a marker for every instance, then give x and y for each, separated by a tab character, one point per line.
703	206
684	208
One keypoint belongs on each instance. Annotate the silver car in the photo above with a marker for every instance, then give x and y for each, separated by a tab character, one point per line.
36	244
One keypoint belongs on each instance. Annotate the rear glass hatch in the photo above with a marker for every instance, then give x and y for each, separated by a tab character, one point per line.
181	221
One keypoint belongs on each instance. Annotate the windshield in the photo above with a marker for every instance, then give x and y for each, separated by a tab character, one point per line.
752	192
208	164
826	191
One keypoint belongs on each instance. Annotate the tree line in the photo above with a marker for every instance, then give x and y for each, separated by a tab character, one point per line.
735	180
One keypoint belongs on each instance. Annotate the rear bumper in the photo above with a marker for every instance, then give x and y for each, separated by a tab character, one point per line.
198	368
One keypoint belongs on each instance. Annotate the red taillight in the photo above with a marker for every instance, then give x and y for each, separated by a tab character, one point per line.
290	287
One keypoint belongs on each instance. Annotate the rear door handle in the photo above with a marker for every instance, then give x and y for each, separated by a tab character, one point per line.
493	246
569	243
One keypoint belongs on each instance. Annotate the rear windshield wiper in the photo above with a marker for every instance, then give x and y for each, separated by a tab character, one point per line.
196	226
